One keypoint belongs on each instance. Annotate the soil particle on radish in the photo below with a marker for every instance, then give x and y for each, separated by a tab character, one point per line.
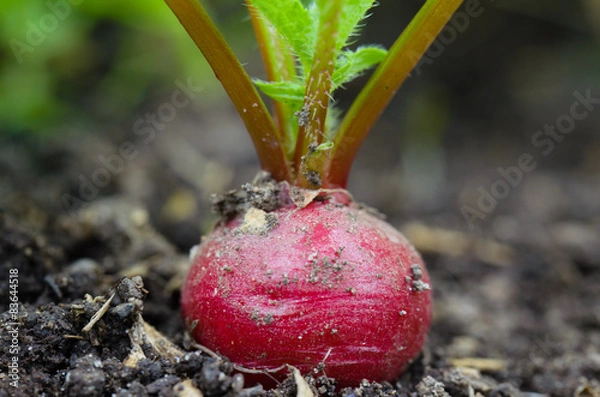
263	194
313	178
257	221
418	284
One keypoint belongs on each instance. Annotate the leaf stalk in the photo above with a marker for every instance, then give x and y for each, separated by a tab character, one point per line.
383	84
236	82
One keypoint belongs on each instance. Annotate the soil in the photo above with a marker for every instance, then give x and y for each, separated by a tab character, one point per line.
94	309
98	313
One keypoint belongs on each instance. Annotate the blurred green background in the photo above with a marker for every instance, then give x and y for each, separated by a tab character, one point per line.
67	60
76	76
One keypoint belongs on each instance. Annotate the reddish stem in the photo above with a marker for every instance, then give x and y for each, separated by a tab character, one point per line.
383	84
236	83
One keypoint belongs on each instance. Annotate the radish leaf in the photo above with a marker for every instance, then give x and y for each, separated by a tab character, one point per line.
294	24
284	91
352	64
353	12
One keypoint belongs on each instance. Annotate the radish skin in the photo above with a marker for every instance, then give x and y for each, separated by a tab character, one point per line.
295	285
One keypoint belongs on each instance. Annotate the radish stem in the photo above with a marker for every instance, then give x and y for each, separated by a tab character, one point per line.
317	96
383	84
279	66
237	84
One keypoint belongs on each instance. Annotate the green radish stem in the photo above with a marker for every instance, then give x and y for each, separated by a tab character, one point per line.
316	98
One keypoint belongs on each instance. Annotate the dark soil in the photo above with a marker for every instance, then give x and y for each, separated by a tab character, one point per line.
95	308
516	312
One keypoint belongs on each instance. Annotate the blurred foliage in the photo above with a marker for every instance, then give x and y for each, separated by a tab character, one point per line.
69	62
75	59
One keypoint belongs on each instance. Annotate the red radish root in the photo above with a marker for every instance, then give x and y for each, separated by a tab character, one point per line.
293	275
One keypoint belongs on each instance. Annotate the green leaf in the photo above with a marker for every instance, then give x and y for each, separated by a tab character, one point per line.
299	23
284	91
354	11
293	22
352	64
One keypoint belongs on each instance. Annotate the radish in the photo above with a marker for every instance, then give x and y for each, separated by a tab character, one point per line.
301	283
296	272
